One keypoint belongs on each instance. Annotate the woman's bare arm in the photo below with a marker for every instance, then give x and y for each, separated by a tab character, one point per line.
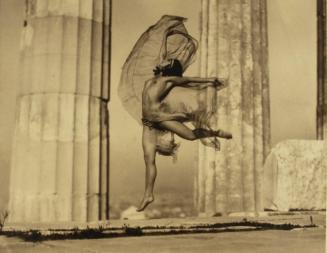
197	82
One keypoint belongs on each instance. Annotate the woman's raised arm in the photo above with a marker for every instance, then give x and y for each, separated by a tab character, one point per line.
198	82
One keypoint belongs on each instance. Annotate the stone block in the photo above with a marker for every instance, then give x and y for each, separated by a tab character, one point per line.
50	117
81	127
66	117
80	181
53	73
70	36
64	180
25	78
295	176
68	74
38	77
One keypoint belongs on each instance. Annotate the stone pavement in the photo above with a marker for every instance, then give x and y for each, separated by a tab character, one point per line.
270	241
238	238
295	218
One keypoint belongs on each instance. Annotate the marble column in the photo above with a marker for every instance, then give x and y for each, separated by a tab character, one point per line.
234	46
60	156
321	71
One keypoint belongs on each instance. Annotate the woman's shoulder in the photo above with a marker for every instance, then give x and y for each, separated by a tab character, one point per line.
156	79
149	82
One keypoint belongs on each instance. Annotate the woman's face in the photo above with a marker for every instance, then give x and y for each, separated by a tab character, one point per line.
170	67
165	64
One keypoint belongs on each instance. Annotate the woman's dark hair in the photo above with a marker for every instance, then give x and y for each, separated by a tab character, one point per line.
173	69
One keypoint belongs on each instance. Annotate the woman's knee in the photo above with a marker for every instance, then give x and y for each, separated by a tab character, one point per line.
180	129
190	136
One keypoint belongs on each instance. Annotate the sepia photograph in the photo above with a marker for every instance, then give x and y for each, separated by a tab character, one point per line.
163	126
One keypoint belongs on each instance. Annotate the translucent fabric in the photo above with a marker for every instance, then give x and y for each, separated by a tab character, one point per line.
167	39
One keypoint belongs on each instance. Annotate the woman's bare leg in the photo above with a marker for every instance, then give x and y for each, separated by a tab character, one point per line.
149	141
184	132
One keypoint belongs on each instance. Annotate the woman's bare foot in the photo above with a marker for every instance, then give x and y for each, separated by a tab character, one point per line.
224	134
145	202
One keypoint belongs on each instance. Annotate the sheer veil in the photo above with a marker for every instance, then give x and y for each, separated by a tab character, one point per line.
167	39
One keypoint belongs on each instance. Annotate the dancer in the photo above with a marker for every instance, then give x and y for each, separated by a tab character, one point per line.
157	118
154	101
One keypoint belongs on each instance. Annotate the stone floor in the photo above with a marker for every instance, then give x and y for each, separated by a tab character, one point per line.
305	239
270	241
301	218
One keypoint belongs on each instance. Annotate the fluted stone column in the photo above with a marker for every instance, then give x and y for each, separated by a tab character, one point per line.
60	156
234	46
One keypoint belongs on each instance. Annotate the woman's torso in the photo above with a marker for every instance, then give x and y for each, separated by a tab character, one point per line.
179	104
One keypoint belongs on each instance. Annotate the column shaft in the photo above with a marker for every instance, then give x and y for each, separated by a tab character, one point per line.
234	33
60	161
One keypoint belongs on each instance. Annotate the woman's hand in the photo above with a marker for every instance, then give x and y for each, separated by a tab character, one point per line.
219	83
216	82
